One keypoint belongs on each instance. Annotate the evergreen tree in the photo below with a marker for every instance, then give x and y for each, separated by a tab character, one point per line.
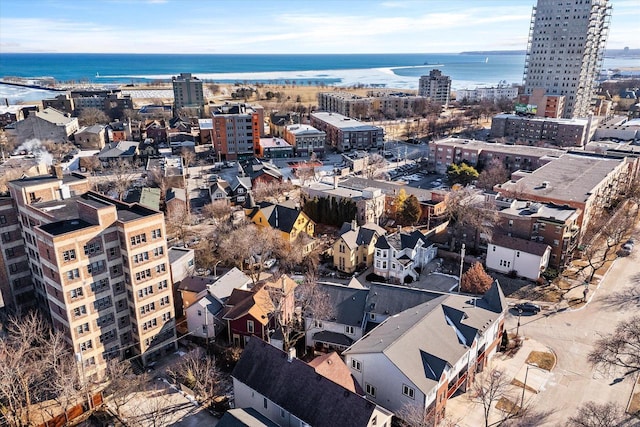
411	211
462	174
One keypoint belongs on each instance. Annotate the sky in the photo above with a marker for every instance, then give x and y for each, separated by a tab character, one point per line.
280	26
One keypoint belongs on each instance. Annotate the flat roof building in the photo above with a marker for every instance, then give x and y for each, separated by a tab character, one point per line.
344	133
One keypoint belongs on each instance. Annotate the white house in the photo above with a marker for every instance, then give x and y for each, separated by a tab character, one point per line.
423	355
181	263
527	258
398	255
291	393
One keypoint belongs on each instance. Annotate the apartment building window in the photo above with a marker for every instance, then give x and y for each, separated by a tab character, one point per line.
156	234
102	303
408	391
164	301
113	252
6	237
9	252
147	308
144	274
3	219
86	346
355	364
158	251
145	291
95	267
349	330
91	248
161	268
82	328
106	320
149	324
166	316
75	293
73	274
370	390
162	284
79	311
138	258
138	239
108	336
99	285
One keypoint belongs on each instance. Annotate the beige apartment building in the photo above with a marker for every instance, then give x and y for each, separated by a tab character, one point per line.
100	269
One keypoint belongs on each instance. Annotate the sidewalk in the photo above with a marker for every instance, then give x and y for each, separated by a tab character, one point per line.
467	413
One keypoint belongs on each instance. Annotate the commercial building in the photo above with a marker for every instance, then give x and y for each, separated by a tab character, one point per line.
543	132
235	130
436	87
344	133
187	92
97	266
565	50
305	139
444	152
492	94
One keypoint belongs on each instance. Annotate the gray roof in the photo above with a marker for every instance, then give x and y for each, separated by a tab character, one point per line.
146	196
176	193
209	302
229	281
119	149
175	253
245	417
344	123
243	181
387	187
362	235
347	302
400	241
539	210
329	337
54	116
451	323
95	129
297	388
571	178
388	300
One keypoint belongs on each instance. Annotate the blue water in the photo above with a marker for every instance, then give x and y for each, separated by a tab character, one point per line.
375	70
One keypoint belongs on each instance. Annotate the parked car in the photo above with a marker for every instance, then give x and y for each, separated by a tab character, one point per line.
527	307
269	263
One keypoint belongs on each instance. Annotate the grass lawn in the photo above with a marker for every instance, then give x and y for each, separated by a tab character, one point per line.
542	359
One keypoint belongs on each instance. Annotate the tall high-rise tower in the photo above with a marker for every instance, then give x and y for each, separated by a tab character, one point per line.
565	49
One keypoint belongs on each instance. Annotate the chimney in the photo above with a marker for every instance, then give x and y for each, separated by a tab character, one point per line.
335	182
56	170
354	225
291	354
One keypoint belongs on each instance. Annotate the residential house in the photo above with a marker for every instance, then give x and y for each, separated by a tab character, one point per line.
291	393
176	203
356	246
240	187
120	131
14	113
261	172
395	364
398	255
115	151
47	125
182	264
524	258
344	325
289	220
220	190
190	289
91	137
156	130
248	313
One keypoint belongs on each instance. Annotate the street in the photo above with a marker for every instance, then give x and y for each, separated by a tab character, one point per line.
571	335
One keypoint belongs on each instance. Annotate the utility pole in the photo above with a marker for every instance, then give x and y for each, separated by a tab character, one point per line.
462	251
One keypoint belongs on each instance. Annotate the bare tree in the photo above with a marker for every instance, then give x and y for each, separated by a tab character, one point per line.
179	221
621	349
488	389
305	173
274	191
188	157
123	172
155	410
218	210
494	173
198	372
415	415
592	414
122	382
90	116
375	165
468	212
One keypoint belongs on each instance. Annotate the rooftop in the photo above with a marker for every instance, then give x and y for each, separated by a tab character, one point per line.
581	122
54	116
521	208
299	129
175	253
274	143
43	179
571	178
493	146
65	226
387	187
523	245
344	123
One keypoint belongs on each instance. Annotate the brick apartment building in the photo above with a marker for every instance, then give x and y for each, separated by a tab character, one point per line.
386	102
344	133
98	267
543	132
444	152
235	130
